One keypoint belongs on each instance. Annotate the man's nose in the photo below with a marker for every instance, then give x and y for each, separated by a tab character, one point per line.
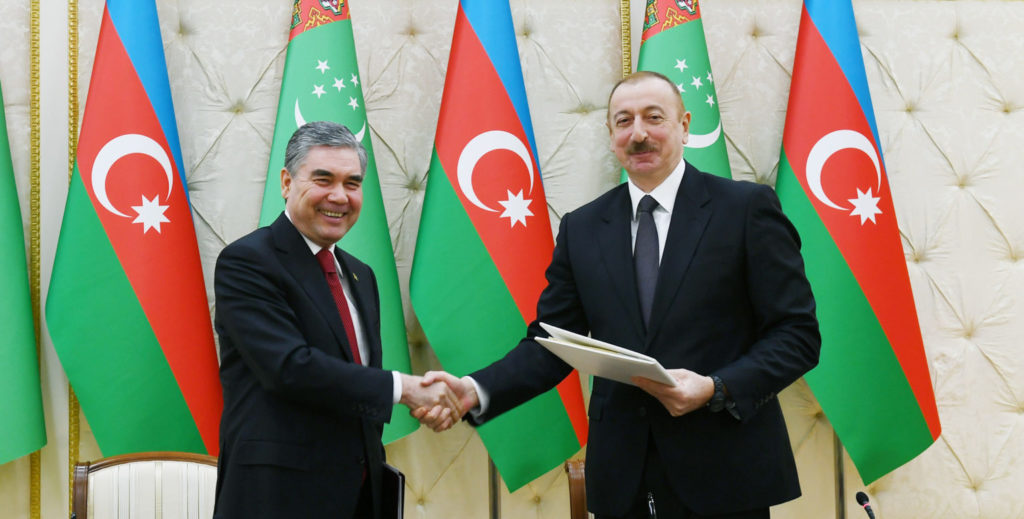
338	194
639	133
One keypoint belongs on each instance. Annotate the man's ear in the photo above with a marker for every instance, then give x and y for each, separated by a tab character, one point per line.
685	121
286	183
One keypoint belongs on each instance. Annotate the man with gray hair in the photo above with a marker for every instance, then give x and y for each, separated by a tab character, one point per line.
305	398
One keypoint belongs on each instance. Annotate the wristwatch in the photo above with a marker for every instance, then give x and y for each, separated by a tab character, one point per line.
719	398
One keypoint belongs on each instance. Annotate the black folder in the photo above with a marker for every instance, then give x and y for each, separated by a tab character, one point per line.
393	495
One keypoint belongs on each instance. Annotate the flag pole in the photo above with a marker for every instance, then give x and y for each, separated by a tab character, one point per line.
493	489
840	477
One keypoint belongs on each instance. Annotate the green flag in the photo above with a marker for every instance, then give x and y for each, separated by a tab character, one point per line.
321	83
674	45
22	429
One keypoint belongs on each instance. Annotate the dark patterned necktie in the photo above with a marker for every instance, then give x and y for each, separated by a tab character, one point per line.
645	255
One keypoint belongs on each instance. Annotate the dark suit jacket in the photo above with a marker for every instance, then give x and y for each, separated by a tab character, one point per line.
732	300
301	421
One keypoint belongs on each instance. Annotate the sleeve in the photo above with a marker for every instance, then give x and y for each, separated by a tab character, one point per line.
788	342
261	332
530	369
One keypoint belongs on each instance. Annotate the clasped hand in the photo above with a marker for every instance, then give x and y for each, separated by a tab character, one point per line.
438	400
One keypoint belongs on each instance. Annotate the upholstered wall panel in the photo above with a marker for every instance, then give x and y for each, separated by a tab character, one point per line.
947	79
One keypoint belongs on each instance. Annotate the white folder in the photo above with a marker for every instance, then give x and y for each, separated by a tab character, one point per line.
601	358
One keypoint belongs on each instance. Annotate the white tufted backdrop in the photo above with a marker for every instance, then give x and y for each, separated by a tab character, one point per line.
947	78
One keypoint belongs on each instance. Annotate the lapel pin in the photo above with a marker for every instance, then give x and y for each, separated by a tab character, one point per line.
355	277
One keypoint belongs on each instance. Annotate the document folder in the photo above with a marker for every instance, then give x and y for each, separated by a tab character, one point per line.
601	358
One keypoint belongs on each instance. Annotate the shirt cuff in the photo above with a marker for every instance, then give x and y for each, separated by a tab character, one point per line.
396	391
482	396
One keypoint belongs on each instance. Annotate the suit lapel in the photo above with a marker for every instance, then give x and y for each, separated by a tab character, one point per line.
690	217
366	306
304	268
616	252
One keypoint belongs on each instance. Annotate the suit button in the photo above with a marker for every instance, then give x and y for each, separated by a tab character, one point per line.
642	411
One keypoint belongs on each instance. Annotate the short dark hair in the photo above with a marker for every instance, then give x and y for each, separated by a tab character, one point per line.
641	75
321	133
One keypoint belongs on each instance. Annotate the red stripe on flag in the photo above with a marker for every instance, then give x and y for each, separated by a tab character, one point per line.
499	184
162	260
871	248
310	14
663	15
571	393
474	105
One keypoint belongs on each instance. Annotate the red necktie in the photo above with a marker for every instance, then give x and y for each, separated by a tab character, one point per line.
326	260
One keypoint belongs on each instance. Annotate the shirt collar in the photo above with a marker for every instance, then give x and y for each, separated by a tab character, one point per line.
313	247
664	194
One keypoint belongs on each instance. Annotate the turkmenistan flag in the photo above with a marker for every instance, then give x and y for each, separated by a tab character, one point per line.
485	239
127	307
674	45
321	83
22	429
872	380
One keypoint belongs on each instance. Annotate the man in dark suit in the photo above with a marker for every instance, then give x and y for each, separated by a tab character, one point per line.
705	275
305	398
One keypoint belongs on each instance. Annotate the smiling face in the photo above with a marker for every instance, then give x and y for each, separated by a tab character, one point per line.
324	195
648	126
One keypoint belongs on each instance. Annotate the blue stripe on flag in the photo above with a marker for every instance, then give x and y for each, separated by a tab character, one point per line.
492	22
838	27
138	27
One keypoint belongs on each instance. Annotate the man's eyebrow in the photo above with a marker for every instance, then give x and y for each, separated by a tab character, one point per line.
646	109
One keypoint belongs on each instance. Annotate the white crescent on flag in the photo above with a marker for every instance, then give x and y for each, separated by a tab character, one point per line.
481	145
117	148
828	146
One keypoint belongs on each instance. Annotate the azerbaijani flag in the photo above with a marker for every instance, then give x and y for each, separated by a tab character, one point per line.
321	83
872	380
673	44
485	239
127	307
22	430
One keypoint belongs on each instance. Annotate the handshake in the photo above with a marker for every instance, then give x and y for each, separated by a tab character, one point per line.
438	399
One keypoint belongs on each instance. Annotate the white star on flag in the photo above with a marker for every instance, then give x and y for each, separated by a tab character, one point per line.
339	84
151	214
696	82
710	80
681	65
865	206
322	66
516	208
679	87
353	103
318	90
710	101
355	80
